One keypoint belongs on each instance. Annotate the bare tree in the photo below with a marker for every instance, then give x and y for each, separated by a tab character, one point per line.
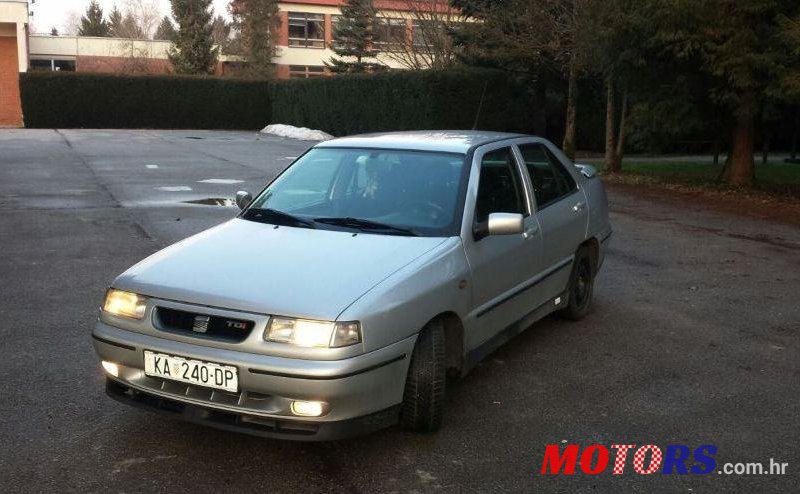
422	40
146	15
72	22
135	59
221	33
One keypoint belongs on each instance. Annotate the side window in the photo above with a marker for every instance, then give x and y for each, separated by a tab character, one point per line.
500	189
549	178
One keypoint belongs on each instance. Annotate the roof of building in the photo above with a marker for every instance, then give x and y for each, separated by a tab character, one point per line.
401	5
452	141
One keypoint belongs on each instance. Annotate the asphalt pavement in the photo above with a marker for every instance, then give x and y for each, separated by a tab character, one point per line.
694	339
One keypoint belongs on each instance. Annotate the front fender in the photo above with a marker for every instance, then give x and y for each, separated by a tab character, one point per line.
403	303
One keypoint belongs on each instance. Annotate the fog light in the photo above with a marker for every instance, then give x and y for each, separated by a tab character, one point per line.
308	408
111	368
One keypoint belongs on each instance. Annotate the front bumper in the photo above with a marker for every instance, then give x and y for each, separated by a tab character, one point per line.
251	424
363	392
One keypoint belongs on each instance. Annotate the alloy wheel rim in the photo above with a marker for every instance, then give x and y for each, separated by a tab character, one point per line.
582	283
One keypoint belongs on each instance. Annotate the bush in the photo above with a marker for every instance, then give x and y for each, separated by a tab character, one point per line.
70	100
341	105
405	100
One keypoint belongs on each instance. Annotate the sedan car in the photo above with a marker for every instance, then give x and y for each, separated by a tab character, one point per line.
342	297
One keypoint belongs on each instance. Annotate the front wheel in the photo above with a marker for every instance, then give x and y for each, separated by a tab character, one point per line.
423	400
581	285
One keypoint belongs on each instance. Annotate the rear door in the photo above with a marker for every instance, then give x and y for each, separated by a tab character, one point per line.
561	210
501	265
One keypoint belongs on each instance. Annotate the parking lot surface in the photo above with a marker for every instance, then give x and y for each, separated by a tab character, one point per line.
694	339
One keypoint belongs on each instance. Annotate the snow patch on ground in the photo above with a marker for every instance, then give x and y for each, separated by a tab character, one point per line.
223	181
175	188
292	132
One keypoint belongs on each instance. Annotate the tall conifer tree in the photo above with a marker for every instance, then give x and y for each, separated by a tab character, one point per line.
353	40
193	50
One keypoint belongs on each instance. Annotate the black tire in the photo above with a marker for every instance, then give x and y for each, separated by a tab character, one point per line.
581	285
423	400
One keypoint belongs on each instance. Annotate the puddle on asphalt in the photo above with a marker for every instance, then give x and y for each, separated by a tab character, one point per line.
212	201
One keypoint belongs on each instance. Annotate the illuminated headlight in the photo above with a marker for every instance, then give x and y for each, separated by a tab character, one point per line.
307	333
124	304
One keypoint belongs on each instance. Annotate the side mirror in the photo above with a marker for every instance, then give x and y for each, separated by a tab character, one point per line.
243	199
500	224
504	224
587	171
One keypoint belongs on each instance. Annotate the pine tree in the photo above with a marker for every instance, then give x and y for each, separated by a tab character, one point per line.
257	22
193	50
54	31
92	23
166	30
115	23
353	39
131	28
746	55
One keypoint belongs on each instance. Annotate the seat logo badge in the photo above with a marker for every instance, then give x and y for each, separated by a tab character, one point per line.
200	324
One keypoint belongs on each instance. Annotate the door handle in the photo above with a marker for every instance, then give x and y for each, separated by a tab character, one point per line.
530	231
578	206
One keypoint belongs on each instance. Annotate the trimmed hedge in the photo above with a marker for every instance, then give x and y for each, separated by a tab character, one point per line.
342	105
404	100
74	100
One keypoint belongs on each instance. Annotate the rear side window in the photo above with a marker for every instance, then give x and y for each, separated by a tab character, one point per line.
550	180
500	186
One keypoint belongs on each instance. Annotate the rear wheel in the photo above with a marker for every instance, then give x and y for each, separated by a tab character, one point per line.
581	285
423	400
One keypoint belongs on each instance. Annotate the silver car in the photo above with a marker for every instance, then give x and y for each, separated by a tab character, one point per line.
344	294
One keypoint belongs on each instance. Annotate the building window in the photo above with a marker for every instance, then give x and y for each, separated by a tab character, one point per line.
54	65
305	71
424	32
389	34
335	44
418	35
306	30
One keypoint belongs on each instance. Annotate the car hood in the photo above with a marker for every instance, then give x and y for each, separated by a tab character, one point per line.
256	267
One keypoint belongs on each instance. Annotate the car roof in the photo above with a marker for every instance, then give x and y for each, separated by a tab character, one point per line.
451	141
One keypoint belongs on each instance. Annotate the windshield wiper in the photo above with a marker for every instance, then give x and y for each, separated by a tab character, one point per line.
267	214
366	225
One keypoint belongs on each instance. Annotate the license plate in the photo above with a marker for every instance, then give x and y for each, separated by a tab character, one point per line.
190	371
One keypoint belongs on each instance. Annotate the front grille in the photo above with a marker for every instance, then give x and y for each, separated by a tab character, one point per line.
203	325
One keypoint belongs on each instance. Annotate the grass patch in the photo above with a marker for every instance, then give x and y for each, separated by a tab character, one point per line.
778	179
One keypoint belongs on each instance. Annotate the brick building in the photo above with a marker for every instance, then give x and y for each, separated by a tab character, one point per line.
306	32
13	59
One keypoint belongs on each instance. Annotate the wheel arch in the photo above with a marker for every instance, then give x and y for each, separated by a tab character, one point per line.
594	248
455	353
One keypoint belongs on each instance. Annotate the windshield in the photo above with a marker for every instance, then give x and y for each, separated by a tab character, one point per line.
371	190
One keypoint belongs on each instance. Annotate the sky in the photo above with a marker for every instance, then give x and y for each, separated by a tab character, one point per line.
49	13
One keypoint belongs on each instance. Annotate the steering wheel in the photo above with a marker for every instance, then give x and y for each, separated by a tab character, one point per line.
420	206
